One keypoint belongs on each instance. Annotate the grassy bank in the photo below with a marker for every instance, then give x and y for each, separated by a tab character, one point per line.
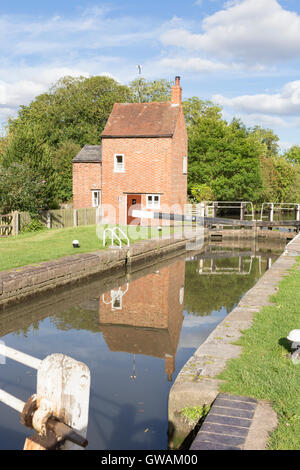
30	248
264	370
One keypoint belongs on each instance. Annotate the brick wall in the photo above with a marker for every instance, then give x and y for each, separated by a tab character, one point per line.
86	177
152	166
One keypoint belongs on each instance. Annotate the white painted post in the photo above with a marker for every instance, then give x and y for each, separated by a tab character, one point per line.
201	264
269	263
48	219
65	384
15	223
75	217
297	212
202	209
271	212
242	211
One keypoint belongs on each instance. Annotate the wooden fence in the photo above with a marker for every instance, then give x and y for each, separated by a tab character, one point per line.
64	218
9	224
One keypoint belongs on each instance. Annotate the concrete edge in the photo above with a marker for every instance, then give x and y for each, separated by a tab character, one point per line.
22	282
197	383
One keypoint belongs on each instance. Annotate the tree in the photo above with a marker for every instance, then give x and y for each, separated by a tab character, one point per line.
58	123
21	189
268	139
225	157
146	91
196	109
202	192
293	154
62	164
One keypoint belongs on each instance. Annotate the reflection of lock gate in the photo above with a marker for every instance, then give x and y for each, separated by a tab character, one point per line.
58	412
116	298
214	270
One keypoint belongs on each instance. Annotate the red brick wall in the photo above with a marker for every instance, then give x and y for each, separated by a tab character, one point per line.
152	166
86	177
147	170
178	180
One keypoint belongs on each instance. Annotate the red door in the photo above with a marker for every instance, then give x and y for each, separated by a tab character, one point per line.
134	202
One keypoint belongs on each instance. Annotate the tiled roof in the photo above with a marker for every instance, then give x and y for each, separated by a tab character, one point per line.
89	154
142	120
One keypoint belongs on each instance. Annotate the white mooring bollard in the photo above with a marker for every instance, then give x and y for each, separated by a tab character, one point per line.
59	410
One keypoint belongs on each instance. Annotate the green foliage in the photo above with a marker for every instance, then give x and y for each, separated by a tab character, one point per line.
225	157
21	189
47	134
146	91
202	192
62	164
34	225
194	413
293	154
227	161
196	109
268	139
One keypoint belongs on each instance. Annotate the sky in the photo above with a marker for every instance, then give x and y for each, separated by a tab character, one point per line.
242	54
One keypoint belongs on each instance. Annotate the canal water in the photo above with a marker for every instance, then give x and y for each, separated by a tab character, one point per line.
135	332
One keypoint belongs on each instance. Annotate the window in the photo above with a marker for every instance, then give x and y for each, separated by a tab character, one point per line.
184	165
116	297
96	199
119	164
153	201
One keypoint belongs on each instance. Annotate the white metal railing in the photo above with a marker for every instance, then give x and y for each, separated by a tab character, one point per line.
115	236
209	208
273	207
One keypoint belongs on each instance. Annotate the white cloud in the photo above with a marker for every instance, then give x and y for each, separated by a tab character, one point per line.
195	63
284	103
37	51
251	32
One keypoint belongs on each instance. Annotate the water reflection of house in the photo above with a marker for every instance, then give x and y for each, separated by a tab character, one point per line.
146	316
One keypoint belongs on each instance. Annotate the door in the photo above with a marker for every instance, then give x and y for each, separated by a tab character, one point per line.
134	202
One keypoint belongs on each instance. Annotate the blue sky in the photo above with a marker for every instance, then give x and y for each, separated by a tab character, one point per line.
242	54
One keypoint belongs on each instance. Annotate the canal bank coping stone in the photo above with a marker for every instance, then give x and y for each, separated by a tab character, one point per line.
19	283
197	385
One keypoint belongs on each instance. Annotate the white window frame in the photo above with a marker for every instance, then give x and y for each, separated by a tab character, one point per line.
184	165
98	191
152	205
116	295
119	168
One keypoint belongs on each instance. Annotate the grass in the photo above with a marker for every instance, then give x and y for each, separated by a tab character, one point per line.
32	248
192	414
265	370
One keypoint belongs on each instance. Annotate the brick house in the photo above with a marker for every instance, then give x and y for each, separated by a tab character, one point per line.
141	162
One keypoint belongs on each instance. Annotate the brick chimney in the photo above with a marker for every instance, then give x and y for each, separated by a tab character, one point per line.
176	96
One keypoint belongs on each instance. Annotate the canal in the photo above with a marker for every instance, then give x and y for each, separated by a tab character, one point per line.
135	332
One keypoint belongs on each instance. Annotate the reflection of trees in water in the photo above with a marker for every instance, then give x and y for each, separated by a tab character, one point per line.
77	318
205	293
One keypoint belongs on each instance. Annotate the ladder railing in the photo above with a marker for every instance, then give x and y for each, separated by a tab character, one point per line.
115	236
